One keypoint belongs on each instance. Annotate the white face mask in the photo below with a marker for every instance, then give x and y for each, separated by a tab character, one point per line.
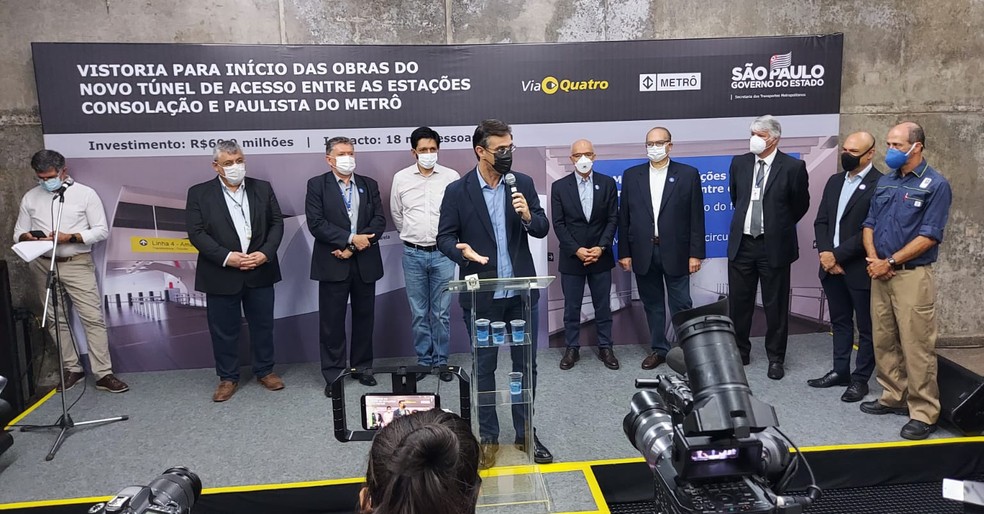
656	153
427	160
235	174
345	164
583	165
757	145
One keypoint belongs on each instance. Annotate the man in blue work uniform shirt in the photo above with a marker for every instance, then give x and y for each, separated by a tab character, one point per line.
901	237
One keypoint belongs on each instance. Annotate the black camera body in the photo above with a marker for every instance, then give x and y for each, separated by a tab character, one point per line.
174	492
704	438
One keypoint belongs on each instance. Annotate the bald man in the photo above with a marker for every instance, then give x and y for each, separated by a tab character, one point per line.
661	235
902	234
585	213
843	273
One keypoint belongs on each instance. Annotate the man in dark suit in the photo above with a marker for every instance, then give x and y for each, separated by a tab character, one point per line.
770	192
585	214
345	216
484	228
661	235
843	273
236	225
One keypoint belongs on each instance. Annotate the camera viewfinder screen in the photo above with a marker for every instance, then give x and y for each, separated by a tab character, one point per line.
379	410
710	454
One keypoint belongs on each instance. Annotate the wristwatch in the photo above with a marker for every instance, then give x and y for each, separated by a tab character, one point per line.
74	238
891	261
351	247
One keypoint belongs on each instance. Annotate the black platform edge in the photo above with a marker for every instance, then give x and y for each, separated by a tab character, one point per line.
834	469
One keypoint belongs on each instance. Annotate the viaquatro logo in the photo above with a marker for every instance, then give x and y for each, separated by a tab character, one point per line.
781	72
550	85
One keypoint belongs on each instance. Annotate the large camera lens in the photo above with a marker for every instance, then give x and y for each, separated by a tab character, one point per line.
177	486
649	427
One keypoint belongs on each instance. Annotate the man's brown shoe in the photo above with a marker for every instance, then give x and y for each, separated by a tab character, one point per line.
607	355
653	360
225	390
112	384
271	382
71	378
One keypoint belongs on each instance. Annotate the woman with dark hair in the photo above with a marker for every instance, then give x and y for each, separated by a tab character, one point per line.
423	463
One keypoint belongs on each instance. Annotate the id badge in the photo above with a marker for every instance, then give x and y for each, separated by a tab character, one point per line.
756	194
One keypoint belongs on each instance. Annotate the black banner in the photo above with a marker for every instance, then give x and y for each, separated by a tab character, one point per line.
109	87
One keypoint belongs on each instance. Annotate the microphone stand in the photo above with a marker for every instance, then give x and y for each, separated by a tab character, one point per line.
65	422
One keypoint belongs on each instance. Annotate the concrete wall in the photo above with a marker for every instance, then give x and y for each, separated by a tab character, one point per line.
903	60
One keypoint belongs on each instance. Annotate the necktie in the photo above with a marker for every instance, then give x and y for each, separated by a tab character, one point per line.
756	224
584	192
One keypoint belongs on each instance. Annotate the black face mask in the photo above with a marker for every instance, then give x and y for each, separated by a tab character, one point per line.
850	162
503	164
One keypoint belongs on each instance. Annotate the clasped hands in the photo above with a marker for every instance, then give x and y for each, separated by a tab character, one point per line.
829	263
589	256
360	241
246	261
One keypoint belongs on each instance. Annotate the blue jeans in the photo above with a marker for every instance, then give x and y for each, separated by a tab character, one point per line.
487	361
427	275
651	292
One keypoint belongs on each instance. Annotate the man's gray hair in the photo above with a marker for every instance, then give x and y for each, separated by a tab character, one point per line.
767	123
227	146
337	140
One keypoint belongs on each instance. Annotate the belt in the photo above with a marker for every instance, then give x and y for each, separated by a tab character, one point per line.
655	240
422	248
63	259
908	266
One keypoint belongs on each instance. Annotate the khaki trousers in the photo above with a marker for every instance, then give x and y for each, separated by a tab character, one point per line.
78	279
903	318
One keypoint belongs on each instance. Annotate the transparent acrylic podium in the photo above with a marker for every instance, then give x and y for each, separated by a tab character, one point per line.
514	480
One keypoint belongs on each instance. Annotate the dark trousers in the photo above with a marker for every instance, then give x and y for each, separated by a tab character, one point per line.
225	317
573	287
332	300
652	294
749	267
846	305
487	361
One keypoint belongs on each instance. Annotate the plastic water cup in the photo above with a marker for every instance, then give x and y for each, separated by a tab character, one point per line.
516	383
499	332
518	327
482	331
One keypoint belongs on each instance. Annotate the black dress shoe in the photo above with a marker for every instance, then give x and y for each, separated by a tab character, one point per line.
654	359
917	430
607	355
775	371
446	376
878	408
745	360
855	392
328	391
367	380
831	379
541	455
489	451
571	355
420	376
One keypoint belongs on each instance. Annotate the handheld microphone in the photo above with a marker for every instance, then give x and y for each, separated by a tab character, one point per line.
510	181
676	360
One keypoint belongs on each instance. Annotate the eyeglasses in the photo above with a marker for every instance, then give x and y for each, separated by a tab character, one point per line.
651	144
502	151
589	155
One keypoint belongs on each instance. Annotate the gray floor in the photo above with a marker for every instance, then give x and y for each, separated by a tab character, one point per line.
262	437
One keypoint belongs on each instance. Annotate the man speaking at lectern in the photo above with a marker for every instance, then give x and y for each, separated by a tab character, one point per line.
483	228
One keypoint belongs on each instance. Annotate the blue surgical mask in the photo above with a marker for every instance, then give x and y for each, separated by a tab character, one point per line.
52	184
895	158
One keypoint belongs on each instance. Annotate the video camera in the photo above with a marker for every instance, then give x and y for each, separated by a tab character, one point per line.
174	492
704	437
6	413
378	409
